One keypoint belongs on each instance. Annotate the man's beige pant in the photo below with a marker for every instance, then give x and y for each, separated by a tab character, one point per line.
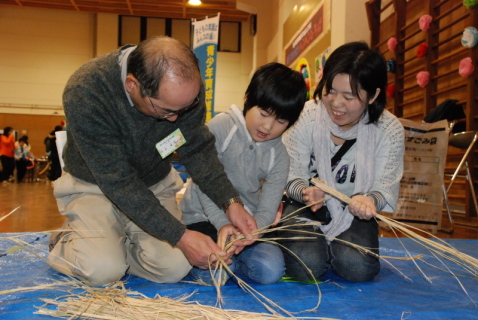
99	244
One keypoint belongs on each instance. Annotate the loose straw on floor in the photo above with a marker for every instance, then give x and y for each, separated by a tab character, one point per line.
8	214
116	302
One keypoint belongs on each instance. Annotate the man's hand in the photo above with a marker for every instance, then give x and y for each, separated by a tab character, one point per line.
199	249
311	195
242	220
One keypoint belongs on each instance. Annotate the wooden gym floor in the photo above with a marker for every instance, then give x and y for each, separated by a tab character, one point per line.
38	211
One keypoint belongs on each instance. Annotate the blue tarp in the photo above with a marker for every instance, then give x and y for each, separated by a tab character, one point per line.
389	296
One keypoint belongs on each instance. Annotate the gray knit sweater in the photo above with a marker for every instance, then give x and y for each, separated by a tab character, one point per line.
111	144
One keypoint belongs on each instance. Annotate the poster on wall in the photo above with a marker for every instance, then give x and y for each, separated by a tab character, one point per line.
303	68
319	64
310	32
310	26
205	39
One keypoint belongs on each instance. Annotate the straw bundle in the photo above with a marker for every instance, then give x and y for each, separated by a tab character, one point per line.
270	305
437	247
116	302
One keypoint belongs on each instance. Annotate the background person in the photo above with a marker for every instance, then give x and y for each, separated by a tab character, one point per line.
26	145
54	172
127	112
7	154
23	157
349	103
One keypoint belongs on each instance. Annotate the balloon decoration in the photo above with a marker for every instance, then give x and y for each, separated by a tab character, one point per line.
470	3
391	66
424	22
422	50
466	67
422	78
392	43
390	90
470	37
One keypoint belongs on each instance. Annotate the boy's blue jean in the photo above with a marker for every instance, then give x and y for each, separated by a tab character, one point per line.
346	261
261	262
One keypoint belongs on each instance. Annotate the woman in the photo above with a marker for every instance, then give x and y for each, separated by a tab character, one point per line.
349	103
7	154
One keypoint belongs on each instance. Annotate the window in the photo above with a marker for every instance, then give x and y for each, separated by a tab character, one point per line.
229	36
133	30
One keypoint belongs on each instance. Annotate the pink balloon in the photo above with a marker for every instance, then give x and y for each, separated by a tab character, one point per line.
392	43
422	78
424	22
466	67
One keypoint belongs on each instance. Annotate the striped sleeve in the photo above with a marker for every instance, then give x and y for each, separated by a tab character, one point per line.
294	189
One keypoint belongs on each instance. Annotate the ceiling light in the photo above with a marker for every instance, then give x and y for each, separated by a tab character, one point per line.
194	2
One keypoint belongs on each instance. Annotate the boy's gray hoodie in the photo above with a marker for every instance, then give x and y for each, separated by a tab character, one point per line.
258	171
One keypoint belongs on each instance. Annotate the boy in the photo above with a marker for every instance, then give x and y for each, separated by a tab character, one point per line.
255	160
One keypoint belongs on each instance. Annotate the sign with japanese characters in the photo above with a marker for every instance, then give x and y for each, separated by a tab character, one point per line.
205	39
421	188
311	31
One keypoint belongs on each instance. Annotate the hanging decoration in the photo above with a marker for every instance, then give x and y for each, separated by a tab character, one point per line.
391	65
424	22
470	37
422	50
470	3
466	67
391	90
392	43
422	78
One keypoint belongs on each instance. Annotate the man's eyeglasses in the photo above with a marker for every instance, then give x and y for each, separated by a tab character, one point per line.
172	113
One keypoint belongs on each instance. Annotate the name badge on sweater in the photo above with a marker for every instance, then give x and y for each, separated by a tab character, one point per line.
171	143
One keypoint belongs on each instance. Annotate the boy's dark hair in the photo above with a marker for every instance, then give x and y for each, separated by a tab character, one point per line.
367	70
278	90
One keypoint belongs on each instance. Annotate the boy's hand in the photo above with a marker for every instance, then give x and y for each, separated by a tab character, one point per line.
241	219
278	215
228	233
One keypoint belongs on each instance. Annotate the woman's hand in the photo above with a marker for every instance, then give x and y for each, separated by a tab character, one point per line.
312	195
362	207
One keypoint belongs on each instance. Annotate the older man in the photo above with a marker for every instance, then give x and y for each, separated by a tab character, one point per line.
127	112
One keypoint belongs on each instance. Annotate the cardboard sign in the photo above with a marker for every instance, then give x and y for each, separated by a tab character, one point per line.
421	188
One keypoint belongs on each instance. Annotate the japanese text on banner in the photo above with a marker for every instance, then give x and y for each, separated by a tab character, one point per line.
205	47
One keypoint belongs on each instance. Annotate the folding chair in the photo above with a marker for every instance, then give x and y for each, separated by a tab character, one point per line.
466	141
451	125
